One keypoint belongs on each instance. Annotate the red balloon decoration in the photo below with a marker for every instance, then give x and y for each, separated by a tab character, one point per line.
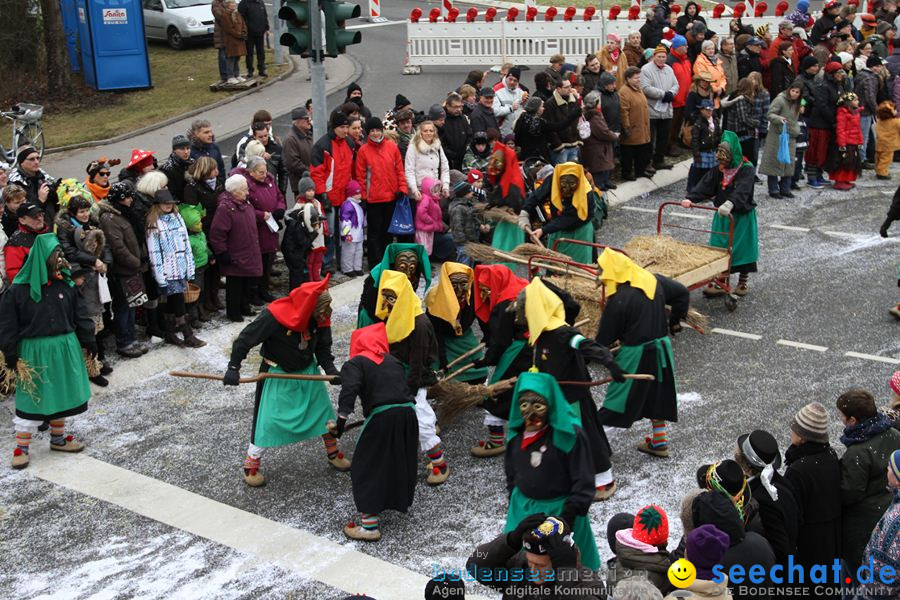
490	14
781	8
531	13
589	13
739	9
633	12
550	14
718	9
471	15
512	13
452	14
434	14
760	9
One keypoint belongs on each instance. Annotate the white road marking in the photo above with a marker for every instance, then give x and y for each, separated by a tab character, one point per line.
740	334
884	359
640	209
802	345
311	556
369	25
791	228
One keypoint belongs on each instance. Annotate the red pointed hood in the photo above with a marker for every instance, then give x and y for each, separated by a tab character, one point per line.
370	342
512	174
295	311
502	282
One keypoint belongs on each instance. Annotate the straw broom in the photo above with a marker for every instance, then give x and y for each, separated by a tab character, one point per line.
24	376
452	398
500	214
526	251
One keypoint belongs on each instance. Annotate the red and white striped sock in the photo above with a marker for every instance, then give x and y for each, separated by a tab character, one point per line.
660	437
331	446
23	441
369	522
251	465
58	432
436	456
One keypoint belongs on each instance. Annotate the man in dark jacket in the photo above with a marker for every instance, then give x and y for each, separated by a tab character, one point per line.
750	59
609	101
273	153
355	95
254	13
203	144
482	117
560	108
177	164
32	223
824	24
866	85
455	133
38	185
297	149
822	121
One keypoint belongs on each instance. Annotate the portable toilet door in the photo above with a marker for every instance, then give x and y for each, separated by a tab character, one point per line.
113	45
70	27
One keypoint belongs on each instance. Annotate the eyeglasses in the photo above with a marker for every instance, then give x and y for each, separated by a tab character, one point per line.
34	158
103	173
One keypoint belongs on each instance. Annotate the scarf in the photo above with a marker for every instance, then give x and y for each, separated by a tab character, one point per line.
865	431
401	320
618	269
733	143
34	272
370	342
615	56
295	311
543	310
562	418
580	197
441	300
98	191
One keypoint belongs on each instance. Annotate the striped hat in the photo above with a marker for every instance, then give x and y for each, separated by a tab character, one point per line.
895	382
894	463
811	423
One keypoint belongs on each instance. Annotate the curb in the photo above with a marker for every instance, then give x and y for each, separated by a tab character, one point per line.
175	119
634	189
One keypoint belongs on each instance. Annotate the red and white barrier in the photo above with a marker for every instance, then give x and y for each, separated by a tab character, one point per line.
375	12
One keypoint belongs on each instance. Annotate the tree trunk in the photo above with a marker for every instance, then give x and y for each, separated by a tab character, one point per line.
58	72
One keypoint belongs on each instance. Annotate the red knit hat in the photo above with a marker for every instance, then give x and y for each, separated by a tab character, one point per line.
474	175
140	159
651	526
895	382
833	67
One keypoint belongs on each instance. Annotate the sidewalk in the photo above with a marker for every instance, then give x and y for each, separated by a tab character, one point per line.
228	119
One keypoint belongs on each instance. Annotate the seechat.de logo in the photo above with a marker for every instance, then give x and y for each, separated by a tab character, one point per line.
682	573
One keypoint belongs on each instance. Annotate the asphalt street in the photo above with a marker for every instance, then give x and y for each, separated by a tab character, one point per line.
826	284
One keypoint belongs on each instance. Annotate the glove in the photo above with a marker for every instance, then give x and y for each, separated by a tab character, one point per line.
668	97
90	348
524	221
675	328
725	209
884	228
339	429
480	363
224	258
336	380
278	214
616	372
514	537
561	551
232	375
11	361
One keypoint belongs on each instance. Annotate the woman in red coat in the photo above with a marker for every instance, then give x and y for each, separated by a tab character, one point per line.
845	155
268	203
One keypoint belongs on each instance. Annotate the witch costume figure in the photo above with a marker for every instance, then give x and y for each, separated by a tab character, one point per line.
635	315
413	342
452	313
44	325
549	468
411	259
506	348
565	205
505	188
560	350
384	465
295	333
730	187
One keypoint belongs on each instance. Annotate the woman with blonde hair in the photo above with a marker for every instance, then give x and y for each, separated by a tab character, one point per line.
172	265
425	158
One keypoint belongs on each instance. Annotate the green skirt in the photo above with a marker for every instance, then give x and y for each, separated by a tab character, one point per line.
457	346
61	386
506	237
291	411
632	400
521	506
577	252
745	250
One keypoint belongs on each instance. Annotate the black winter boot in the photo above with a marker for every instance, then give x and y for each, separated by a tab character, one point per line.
170	337
190	340
152	315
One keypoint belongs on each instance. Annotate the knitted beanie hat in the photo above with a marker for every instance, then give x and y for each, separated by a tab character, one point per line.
894	463
811	423
651	525
353	188
705	546
306	183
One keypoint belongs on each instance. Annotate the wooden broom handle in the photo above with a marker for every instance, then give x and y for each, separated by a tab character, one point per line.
635	376
464	356
254	379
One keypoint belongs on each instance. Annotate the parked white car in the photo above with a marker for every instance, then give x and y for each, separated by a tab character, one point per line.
178	21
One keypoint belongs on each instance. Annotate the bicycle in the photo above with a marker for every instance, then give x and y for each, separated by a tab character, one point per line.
27	129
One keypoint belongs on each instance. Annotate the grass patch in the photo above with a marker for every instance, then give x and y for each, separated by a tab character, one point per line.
180	79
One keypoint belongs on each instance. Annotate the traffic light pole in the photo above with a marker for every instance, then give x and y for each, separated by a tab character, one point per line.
317	72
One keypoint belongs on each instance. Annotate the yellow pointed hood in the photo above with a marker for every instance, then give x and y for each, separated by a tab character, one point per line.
441	300
580	198
402	319
543	309
618	269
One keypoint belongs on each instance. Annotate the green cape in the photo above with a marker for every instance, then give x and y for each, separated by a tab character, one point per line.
562	417
34	272
390	255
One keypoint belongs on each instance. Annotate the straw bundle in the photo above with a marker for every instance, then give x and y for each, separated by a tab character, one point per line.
697	320
24	376
91	363
670	257
500	214
528	250
481	252
588	295
452	398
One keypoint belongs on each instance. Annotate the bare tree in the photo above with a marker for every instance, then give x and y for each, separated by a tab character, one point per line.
58	72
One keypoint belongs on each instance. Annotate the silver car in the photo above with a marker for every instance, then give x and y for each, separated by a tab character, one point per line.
178	21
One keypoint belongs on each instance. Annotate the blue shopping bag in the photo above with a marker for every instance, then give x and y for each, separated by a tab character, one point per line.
402	220
784	147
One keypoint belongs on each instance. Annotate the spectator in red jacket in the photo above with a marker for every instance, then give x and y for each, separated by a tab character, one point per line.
683	69
379	168
785	34
31	224
331	170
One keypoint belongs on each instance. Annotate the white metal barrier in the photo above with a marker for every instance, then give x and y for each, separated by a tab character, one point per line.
527	43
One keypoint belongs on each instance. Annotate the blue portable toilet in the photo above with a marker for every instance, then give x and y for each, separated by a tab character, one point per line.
113	45
70	26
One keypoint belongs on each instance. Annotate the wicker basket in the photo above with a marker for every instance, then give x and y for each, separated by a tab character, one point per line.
192	294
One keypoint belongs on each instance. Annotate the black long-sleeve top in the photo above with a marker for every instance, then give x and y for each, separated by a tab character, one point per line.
494	195
564	220
290	350
739	191
634	319
418	350
375	385
569	474
61	310
501	332
554	354
444	330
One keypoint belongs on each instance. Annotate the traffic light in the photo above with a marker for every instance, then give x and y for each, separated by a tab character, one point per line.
298	37
336	37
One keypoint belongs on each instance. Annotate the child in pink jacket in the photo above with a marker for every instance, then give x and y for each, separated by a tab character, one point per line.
428	213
